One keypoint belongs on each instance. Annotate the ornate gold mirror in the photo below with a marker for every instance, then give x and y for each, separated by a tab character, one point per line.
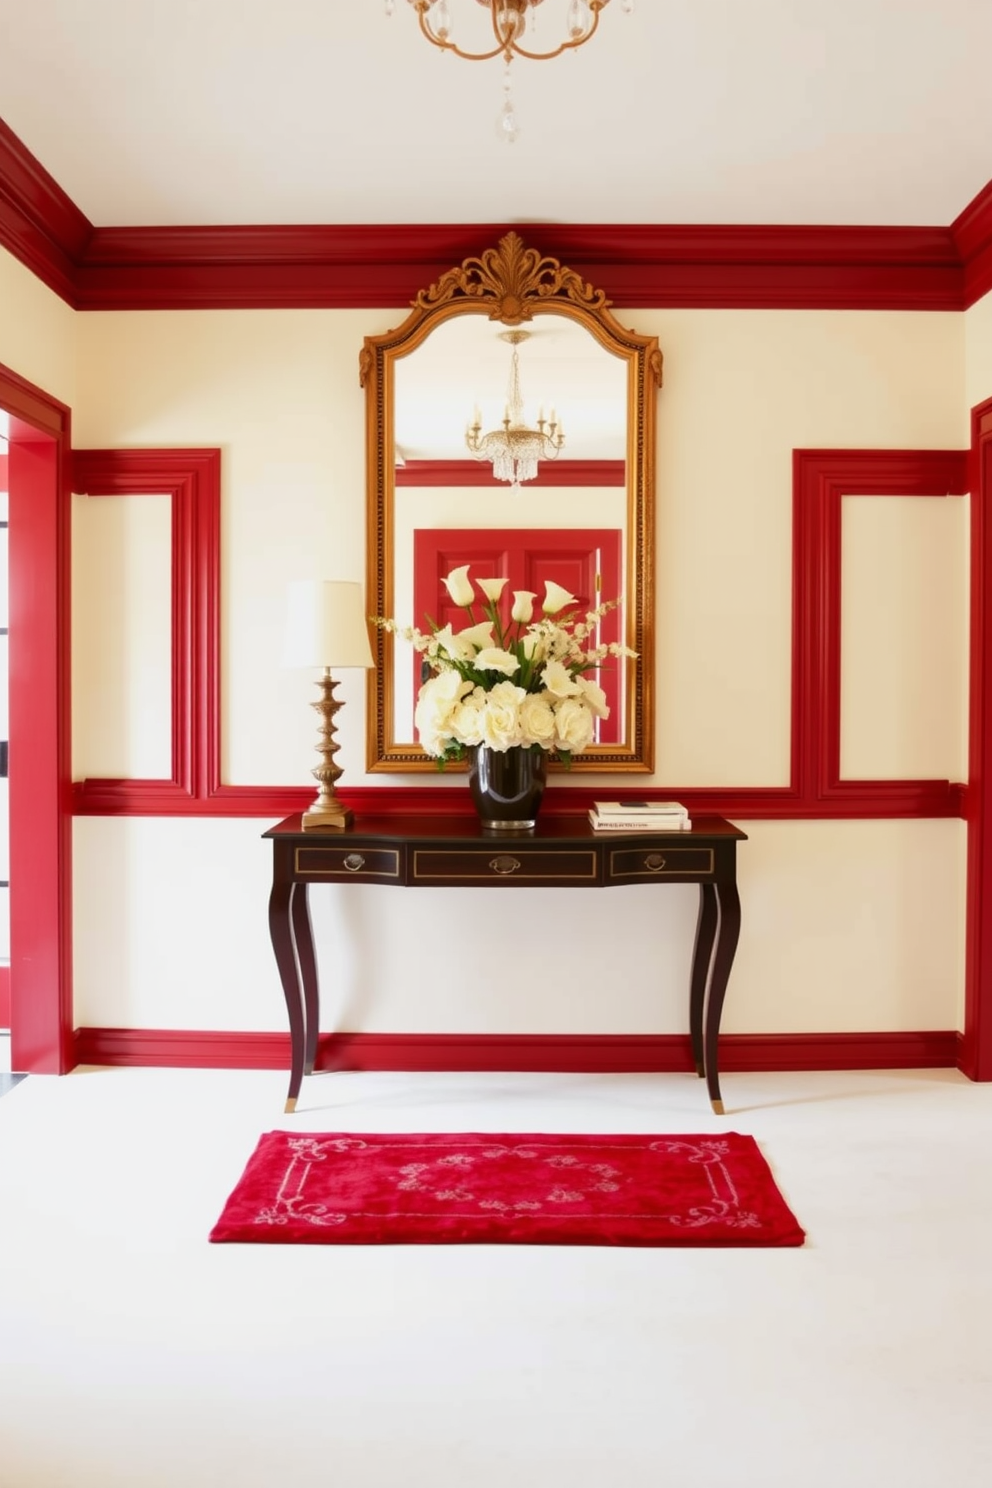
511	342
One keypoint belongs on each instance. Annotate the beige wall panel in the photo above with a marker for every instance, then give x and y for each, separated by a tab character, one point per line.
121	637
846	926
37	331
978	351
904	638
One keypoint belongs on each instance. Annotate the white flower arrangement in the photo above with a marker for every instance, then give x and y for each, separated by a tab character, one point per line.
510	684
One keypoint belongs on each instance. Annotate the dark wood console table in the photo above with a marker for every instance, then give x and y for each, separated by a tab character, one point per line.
456	852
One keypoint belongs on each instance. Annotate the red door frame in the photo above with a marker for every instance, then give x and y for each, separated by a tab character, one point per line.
40	739
976	1051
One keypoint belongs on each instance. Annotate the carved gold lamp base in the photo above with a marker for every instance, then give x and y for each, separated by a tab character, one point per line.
326	813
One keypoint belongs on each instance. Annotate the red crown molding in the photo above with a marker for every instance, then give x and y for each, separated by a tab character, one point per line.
597	473
971	232
38	223
638	265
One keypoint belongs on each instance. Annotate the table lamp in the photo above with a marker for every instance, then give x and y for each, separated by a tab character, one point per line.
326	627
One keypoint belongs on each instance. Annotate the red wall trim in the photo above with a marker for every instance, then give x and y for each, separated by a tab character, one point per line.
4	996
39	224
971	231
191	477
40	734
821	478
565	1053
382	266
477	473
977	1051
638	265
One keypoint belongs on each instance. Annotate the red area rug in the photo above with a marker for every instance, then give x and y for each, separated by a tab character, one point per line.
341	1188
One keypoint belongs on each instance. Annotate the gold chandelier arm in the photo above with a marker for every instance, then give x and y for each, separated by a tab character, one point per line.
595	6
450	46
505	45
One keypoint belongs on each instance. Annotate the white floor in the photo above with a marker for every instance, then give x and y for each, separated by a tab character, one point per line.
133	1354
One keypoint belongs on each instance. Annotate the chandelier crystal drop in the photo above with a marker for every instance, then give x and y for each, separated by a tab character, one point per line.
515	449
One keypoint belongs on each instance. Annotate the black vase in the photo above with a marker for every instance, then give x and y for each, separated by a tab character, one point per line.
507	785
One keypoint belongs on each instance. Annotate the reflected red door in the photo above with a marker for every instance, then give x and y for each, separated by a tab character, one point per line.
586	561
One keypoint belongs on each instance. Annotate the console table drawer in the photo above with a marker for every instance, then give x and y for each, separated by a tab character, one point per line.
624	864
509	864
381	864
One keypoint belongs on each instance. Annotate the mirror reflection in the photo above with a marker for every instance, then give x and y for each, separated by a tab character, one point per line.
530	505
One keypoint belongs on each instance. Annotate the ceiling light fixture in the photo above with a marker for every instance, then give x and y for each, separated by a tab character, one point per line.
510	20
515	449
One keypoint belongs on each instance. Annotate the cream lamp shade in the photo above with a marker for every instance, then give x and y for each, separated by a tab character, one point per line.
326	625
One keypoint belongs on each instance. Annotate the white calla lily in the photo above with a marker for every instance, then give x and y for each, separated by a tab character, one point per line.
459	586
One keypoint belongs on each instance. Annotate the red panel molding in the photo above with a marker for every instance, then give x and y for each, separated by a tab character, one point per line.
557	1053
191	477
821	478
476	473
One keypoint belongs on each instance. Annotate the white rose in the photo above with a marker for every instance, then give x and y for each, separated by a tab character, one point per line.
555	597
559	680
466	718
501	716
523	605
436	701
537	720
459	586
594	696
574	728
493	659
492	588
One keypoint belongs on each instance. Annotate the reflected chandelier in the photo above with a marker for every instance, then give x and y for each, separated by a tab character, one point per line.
515	449
509	24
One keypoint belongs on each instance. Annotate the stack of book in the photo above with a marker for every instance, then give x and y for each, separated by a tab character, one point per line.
639	816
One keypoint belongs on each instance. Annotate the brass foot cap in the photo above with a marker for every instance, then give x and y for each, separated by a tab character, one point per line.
717	1107
291	1105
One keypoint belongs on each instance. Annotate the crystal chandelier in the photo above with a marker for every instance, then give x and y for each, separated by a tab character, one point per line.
515	449
510	19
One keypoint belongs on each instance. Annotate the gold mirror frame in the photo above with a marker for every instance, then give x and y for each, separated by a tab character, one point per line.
508	284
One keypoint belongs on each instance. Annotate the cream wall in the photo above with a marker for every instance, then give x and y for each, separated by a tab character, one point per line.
847	925
37	331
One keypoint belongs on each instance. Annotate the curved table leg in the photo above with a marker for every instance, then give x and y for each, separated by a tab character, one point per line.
283	944
701	957
727	936
307	962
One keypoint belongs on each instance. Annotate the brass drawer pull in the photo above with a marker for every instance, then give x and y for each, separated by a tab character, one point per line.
354	862
654	862
504	864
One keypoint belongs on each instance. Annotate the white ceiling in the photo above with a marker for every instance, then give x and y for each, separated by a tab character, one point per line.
169	112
